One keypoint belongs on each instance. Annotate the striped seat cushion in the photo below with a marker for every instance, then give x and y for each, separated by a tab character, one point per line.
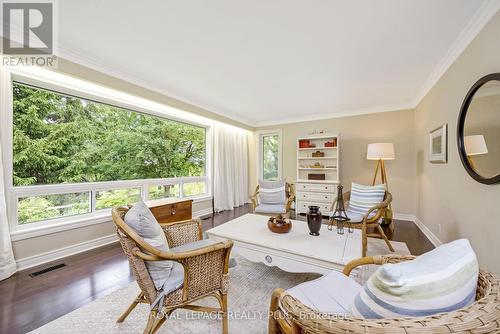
442	280
272	192
363	198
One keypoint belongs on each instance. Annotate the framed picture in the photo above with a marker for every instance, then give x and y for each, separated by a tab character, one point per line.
438	145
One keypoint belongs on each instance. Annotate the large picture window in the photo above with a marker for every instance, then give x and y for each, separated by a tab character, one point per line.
81	151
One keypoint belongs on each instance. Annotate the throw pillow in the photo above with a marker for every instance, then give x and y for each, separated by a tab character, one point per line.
442	280
141	219
363	198
272	192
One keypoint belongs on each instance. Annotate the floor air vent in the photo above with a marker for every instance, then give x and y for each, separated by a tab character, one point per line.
46	270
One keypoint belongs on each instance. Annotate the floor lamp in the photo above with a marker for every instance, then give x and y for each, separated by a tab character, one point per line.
381	152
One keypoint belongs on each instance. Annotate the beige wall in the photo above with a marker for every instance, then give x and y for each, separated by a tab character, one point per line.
449	201
356	132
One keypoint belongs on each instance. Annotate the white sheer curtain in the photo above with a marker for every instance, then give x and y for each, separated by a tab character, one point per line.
230	167
7	262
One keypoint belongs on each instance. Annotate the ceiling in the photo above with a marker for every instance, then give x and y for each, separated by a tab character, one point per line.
269	62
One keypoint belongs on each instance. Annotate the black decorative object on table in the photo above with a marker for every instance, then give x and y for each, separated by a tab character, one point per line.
339	216
314	220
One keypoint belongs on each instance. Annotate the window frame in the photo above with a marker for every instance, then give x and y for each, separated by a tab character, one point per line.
125	101
260	149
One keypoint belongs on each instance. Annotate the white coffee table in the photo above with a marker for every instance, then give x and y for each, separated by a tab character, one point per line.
296	251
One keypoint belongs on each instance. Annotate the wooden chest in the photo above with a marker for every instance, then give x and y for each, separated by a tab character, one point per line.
171	209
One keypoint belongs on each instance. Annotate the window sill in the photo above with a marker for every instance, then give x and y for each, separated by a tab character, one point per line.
73	223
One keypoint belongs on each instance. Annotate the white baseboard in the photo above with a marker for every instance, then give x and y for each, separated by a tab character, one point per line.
425	230
201	213
56	254
404	216
428	233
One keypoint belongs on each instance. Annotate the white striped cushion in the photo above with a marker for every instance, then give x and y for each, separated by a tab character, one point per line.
272	192
363	198
442	280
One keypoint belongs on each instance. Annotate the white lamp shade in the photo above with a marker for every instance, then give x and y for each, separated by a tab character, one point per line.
377	151
475	145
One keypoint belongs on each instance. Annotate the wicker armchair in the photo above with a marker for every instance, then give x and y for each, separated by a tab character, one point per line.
290	195
290	316
205	269
370	223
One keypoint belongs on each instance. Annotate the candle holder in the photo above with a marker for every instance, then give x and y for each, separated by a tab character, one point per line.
339	217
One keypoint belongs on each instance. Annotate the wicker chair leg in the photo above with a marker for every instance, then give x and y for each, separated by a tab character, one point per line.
150	324
273	326
158	323
364	241
382	234
224	314
130	308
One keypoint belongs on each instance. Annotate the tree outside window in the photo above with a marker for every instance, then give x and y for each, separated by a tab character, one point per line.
270	157
60	139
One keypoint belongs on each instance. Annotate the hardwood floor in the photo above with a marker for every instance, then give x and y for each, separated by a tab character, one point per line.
27	303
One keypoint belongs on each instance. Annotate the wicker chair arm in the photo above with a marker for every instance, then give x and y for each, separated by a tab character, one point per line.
289	202
253	198
380	208
377	259
183	232
180	256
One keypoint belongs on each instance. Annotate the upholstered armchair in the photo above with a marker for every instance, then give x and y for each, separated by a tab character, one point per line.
288	315
268	200
205	265
367	218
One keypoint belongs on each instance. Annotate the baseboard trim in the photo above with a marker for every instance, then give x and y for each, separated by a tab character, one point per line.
425	230
56	254
404	216
428	233
201	213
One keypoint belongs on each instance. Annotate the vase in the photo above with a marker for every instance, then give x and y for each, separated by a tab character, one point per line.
314	220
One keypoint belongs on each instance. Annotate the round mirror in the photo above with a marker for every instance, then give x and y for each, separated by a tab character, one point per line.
478	130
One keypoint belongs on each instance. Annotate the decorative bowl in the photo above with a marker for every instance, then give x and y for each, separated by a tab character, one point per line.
279	224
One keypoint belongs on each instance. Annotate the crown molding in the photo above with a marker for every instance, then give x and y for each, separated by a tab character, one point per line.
482	16
341	114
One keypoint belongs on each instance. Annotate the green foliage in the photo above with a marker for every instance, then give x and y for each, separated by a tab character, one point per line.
111	198
62	139
270	157
32	209
193	188
157	192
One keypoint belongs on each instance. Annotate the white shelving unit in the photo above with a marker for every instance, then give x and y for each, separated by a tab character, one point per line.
317	192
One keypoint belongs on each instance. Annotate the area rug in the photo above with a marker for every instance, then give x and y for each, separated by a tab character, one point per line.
251	285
